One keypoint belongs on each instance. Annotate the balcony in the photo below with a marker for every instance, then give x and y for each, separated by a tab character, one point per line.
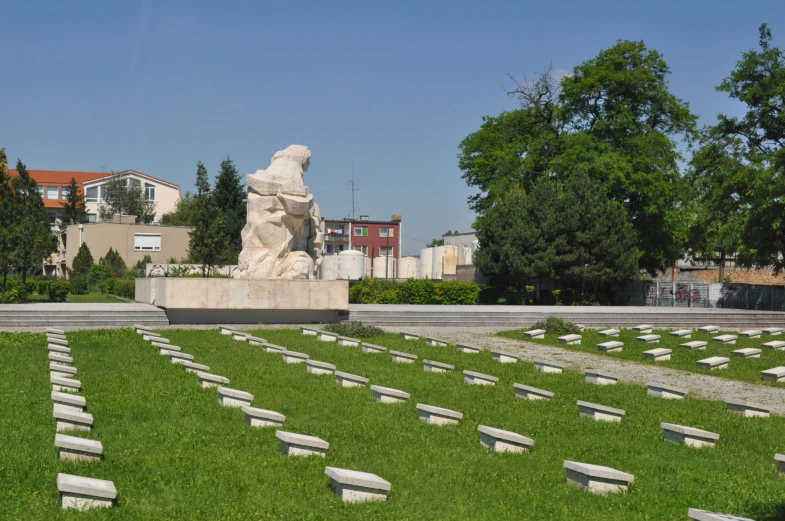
337	237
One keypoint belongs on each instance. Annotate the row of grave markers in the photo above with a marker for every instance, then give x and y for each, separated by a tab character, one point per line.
776	374
76	492
595	478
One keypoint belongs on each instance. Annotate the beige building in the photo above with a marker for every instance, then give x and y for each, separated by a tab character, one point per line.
163	194
132	241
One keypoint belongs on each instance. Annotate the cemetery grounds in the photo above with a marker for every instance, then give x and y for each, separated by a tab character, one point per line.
174	453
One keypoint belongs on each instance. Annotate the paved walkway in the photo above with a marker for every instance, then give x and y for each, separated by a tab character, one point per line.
703	386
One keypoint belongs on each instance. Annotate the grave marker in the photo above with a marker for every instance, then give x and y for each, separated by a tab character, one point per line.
59	349
65	384
389	395
466	348
665	391
725	339
402	358
773	331
225	330
751	333
61	359
349	342
373	349
262	417
314	367
690	436
301	445
609	332
748	409
597	479
432	366
61	371
644	329
648	339
438	415
593	376
326	336
700	345
68	402
705	515
256	341
78	449
410	336
233	398
709	329
600	412
207	380
714	362
72	420
682	333
613	346
535	333
474	378
747	352
503	358
193	367
775	374
658	355
436	342
357	487
504	441
548	367
272	348
293	357
177	357
531	393
350	380
775	344
780	459
57	341
55	331
570	340
80	493
309	331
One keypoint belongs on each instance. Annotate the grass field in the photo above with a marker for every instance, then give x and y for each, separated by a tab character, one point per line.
173	453
747	370
89	298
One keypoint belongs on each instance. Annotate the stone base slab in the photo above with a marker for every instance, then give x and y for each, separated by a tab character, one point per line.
220	301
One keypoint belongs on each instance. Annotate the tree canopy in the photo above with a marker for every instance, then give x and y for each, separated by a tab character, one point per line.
229	198
124	195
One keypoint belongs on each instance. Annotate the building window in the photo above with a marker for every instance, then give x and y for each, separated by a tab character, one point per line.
147	241
41	191
64	192
363	249
385	231
91	194
361	231
385	251
133	183
91	217
51	192
149	192
329	248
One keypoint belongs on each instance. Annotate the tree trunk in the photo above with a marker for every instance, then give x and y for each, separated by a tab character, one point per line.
722	266
537	292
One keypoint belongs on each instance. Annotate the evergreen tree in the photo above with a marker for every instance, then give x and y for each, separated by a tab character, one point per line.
229	198
83	261
8	214
32	231
208	241
114	262
183	214
73	211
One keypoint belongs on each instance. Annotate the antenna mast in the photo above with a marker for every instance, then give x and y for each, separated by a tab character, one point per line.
354	189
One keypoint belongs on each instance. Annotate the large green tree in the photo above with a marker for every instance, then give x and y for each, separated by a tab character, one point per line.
73	211
229	198
32	233
758	82
559	231
183	214
83	260
614	120
114	262
124	195
208	242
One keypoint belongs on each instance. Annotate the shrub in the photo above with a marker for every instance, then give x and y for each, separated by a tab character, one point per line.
80	285
417	291
108	285
12	296
98	273
353	329
369	291
451	292
125	288
59	290
557	326
113	262
43	287
502	295
83	260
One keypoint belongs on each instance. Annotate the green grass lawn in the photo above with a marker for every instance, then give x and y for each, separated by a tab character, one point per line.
174	453
747	370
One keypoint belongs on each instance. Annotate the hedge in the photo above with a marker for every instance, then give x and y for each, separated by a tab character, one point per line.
413	291
124	288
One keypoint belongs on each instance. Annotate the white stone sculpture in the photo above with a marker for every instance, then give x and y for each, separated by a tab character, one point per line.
282	237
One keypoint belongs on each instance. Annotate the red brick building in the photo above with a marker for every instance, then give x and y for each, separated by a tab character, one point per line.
373	238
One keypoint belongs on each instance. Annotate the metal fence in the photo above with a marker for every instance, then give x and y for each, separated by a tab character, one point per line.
702	295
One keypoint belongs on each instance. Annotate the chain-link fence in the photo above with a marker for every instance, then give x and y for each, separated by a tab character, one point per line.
702	295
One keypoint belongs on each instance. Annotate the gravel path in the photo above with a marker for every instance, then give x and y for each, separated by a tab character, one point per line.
700	385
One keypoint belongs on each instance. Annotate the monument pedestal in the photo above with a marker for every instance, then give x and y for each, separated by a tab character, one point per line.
245	301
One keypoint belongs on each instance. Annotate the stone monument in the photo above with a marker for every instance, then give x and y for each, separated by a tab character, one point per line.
275	281
282	236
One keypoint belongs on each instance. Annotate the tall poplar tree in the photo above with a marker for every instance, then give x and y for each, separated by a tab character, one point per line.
208	241
73	211
8	214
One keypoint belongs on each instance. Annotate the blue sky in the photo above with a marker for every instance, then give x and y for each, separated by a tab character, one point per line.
390	88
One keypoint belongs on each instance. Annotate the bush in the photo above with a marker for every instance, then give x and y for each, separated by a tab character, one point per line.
462	293
83	260
353	329
108	285
504	295
369	291
125	288
59	290
417	291
80	285
557	326
12	296
43	287
113	262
